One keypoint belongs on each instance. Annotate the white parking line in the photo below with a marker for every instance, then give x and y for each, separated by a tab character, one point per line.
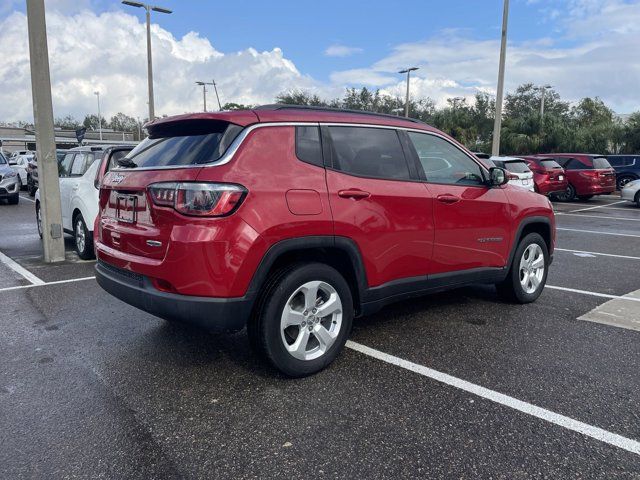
598	206
57	282
27	198
593	294
597	232
628	257
19	269
598	216
605	436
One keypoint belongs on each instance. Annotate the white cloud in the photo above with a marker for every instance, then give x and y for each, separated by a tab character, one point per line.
107	52
341	51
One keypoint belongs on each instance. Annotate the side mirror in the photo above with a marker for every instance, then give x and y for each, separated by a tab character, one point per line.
498	176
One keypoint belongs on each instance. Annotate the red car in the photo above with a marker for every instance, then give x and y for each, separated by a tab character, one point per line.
588	175
293	220
548	176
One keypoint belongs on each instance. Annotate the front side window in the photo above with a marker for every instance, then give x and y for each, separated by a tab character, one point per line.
572	164
79	165
442	162
368	152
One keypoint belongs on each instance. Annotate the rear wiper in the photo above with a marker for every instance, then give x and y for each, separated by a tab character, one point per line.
126	163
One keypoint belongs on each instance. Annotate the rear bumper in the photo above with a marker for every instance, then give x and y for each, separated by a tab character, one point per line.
214	314
549	187
596	190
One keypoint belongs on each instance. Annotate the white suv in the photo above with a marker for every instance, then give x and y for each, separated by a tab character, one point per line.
80	172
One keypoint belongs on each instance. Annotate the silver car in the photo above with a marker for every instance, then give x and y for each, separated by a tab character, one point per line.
9	182
631	192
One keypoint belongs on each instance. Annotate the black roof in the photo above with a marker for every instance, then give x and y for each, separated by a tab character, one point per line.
284	106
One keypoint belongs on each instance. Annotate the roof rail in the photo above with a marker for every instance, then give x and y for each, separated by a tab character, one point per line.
285	106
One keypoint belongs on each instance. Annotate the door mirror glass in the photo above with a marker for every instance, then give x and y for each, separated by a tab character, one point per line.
497	176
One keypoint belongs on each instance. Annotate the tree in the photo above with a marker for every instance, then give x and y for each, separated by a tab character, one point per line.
68	122
235	106
123	123
91	122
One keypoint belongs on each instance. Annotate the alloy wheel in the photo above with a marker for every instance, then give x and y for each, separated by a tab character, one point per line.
80	235
311	320
531	269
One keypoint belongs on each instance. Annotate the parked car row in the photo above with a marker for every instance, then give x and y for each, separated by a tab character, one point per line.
9	182
80	171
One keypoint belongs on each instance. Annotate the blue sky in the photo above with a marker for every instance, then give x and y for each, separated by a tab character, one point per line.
256	49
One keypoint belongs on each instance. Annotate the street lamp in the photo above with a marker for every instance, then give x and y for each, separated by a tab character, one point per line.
148	8
495	147
97	94
204	92
543	90
215	88
408	72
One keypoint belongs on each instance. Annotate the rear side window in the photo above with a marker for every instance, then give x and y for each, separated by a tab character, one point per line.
601	162
517	167
64	167
79	165
573	164
184	143
115	156
368	152
308	146
442	162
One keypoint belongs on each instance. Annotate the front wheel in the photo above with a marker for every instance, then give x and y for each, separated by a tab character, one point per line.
528	272
303	319
83	237
39	219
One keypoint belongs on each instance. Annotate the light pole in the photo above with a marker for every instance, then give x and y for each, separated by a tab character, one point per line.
215	87
495	147
148	8
97	94
408	72
50	212
543	90
204	92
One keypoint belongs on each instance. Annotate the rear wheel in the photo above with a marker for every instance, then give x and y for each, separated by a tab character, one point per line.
528	273
84	240
568	195
637	199
303	319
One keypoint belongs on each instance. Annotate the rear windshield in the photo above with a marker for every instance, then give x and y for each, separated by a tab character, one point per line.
184	143
601	162
517	167
550	164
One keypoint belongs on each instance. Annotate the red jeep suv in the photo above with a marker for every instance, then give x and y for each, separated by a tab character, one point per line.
293	220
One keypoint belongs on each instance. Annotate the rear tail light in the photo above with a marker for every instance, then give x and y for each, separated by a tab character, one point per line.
590	174
198	199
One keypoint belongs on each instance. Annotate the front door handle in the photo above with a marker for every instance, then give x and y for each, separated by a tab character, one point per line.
75	187
354	193
448	198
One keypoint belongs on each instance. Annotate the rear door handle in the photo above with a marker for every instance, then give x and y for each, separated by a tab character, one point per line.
354	193
448	198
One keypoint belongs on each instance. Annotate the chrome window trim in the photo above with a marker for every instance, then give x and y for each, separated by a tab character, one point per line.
239	140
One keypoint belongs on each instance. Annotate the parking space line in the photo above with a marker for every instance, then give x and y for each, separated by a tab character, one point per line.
605	436
597	232
598	216
20	270
43	284
593	294
598	206
27	198
628	257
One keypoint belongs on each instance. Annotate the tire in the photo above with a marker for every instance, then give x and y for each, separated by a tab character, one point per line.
514	287
290	290
585	197
83	238
14	199
31	186
637	199
568	195
622	181
39	219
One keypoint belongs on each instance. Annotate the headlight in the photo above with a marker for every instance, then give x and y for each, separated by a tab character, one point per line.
10	174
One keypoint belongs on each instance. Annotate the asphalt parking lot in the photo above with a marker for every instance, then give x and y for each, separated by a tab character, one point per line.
455	385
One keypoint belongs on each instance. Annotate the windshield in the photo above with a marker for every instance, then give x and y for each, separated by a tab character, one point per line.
183	143
3	161
601	163
550	164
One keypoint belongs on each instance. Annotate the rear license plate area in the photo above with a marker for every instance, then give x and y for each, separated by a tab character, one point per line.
126	208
